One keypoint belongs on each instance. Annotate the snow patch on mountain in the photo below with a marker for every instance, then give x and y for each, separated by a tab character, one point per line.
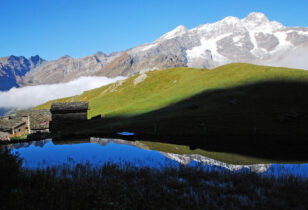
237	38
207	45
283	43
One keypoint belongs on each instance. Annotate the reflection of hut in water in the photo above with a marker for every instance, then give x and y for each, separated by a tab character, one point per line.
64	114
71	141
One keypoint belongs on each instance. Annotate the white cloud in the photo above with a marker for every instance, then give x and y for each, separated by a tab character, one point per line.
31	96
293	58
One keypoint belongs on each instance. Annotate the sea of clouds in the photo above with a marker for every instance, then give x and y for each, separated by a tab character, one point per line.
30	96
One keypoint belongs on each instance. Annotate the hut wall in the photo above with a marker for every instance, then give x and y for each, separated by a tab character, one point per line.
69	117
60	120
66	114
39	120
19	130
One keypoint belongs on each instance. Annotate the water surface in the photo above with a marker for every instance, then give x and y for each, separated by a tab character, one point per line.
98	151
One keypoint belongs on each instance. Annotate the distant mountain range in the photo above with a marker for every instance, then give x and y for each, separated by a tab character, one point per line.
253	39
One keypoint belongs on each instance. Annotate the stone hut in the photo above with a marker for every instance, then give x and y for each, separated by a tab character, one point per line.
64	114
37	119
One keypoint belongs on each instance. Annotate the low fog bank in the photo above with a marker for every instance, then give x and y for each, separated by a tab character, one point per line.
294	58
27	97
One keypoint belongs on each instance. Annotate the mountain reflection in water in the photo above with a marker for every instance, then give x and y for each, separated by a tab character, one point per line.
51	152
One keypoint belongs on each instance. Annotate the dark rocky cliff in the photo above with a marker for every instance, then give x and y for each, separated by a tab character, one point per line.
13	69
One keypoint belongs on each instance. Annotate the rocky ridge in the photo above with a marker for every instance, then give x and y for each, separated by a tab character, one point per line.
13	70
66	68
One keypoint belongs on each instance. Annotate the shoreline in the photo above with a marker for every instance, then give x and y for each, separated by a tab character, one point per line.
272	147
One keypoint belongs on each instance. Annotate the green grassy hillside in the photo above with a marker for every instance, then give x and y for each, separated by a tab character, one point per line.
238	108
166	87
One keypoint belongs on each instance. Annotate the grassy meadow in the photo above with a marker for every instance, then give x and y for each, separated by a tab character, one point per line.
166	87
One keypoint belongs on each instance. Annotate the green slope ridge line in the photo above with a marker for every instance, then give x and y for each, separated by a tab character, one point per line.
161	88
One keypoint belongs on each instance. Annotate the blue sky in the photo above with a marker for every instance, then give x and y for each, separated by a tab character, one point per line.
52	28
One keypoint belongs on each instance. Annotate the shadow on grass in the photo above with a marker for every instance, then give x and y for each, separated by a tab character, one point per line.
266	119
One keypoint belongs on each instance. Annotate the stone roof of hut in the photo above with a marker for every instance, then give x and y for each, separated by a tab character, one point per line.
69	107
39	119
22	113
7	124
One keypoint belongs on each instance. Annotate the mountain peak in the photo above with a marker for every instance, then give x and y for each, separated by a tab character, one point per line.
180	28
257	18
100	53
35	58
13	57
65	57
231	20
257	21
178	31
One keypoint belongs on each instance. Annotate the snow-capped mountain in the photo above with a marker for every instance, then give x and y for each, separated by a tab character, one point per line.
253	39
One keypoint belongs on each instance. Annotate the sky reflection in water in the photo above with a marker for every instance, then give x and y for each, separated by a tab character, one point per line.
50	154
